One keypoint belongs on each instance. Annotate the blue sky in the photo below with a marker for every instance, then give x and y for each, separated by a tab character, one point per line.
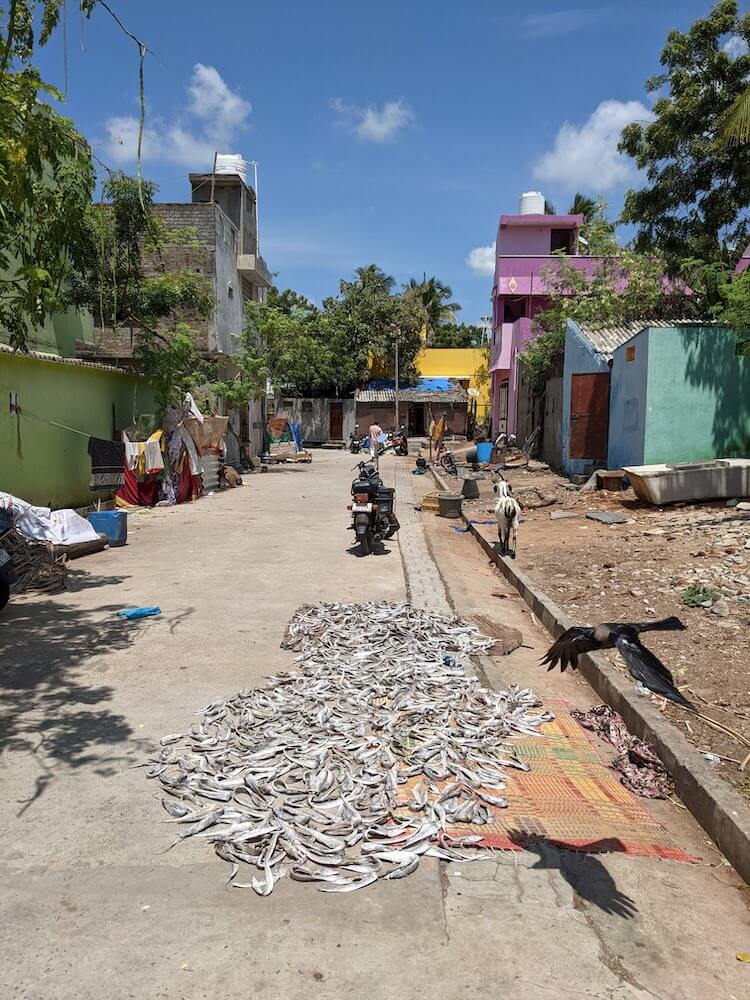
393	133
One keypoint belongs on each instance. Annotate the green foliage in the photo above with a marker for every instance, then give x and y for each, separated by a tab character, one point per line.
735	308
429	298
173	365
696	595
365	320
625	287
46	179
457	335
697	189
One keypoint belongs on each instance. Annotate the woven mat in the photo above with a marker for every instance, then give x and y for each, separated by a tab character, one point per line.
572	799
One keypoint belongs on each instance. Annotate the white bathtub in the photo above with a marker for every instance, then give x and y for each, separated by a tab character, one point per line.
721	479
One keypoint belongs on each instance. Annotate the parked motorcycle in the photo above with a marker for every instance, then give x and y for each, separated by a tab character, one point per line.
400	442
355	441
373	508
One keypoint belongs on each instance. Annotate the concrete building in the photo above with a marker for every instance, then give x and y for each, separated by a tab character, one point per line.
419	404
215	235
321	419
465	365
527	249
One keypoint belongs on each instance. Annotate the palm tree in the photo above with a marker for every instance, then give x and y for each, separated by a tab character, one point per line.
737	120
549	208
429	297
374	279
585	206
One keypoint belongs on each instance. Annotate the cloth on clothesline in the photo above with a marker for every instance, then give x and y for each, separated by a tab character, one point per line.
153	461
107	464
640	768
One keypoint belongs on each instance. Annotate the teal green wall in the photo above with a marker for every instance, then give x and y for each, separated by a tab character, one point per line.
46	465
59	334
698	404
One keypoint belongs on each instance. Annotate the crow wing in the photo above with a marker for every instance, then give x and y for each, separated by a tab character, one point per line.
649	670
566	650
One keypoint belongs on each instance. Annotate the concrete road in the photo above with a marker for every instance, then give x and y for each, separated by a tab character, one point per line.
91	908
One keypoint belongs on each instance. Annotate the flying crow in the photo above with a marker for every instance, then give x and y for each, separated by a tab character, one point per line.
641	662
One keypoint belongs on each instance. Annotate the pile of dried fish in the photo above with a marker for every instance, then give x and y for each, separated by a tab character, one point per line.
351	766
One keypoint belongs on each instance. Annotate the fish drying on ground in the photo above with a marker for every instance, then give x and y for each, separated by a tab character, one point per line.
351	766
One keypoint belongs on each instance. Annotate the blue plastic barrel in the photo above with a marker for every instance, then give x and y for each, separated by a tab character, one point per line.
112	523
484	451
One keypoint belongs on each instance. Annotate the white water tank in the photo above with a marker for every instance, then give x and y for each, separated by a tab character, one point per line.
532	203
231	163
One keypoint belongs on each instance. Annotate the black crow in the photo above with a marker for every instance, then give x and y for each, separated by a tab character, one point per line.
623	636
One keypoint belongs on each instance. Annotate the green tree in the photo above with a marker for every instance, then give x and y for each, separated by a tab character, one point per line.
624	288
365	320
585	206
46	178
430	299
458	335
694	202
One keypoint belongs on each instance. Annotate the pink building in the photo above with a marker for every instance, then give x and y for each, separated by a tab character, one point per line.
527	247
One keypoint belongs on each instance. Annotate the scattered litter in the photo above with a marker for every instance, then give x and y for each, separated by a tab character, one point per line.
640	768
712	758
743	956
306	775
131	614
607	516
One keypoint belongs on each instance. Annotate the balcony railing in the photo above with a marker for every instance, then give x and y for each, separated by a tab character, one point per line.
521	275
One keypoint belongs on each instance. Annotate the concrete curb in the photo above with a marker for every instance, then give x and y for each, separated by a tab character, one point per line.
720	810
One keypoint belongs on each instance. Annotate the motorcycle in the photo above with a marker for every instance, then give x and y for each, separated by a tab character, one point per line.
355	441
399	442
373	508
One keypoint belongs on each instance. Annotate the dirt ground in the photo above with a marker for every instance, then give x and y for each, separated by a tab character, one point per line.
640	569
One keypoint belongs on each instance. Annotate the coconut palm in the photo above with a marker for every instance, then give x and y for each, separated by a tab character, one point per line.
737	121
429	298
585	206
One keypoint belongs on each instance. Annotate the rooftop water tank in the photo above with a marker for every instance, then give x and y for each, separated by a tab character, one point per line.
532	203
231	163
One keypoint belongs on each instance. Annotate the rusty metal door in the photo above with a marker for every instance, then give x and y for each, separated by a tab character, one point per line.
336	420
589	415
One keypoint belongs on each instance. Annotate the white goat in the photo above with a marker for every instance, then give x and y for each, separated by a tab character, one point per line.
507	512
502	488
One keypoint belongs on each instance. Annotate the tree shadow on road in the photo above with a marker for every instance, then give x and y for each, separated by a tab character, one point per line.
581	869
48	706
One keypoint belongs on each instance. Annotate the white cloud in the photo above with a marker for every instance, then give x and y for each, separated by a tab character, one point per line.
372	124
586	156
735	46
562	22
481	260
219	116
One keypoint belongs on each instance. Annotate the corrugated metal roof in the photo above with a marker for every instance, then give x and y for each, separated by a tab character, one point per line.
606	339
426	390
56	359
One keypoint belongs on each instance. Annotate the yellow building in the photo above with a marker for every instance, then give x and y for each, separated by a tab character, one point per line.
468	365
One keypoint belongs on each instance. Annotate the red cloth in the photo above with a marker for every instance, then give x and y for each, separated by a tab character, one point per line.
188	485
135	494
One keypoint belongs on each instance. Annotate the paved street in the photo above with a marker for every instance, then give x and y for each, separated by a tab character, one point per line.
90	907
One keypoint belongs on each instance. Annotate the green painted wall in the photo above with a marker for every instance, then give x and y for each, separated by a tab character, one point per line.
46	465
698	404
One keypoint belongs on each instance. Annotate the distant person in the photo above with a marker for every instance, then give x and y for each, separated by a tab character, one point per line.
376	432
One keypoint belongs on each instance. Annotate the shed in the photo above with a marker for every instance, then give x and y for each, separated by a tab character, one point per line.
584	414
322	420
679	393
420	402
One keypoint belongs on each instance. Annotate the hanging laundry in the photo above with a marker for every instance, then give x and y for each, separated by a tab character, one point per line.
107	465
153	457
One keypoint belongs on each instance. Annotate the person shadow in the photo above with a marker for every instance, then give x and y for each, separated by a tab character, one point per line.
581	869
